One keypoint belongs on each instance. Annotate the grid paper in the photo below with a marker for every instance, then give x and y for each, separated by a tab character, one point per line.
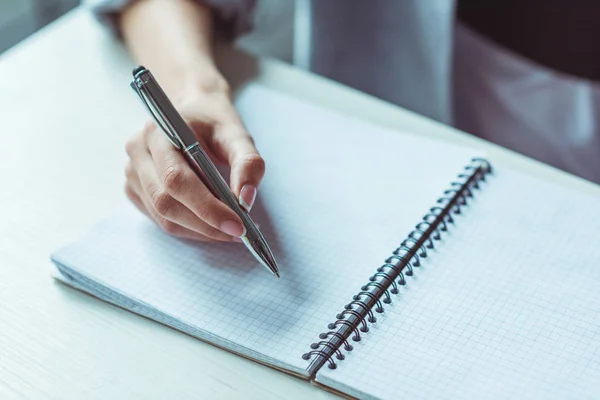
337	196
507	307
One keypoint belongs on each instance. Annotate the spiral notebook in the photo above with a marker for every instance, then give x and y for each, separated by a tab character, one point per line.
408	267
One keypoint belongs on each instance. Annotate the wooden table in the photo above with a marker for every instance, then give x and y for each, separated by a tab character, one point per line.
66	111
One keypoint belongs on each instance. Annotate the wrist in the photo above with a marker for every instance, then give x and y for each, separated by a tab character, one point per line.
196	82
204	96
209	84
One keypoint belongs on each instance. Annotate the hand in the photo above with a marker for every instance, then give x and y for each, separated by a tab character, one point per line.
163	186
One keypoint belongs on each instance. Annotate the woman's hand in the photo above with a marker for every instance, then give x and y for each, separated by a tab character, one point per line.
174	40
163	186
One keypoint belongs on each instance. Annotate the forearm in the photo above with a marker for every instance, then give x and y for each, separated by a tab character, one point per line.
173	38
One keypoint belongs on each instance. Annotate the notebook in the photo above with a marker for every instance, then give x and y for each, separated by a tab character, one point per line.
409	267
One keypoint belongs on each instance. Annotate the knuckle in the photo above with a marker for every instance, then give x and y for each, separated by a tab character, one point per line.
205	210
130	145
129	192
174	178
212	233
162	202
254	162
129	171
168	226
148	128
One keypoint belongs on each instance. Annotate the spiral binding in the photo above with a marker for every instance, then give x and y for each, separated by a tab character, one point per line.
357	314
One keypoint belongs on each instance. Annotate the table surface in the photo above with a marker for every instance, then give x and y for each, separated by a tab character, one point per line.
67	111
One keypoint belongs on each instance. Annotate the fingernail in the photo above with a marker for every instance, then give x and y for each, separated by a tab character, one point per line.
247	196
237	240
233	228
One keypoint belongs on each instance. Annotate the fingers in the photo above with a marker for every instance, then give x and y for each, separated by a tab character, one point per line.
180	182
234	144
162	185
133	188
151	191
175	230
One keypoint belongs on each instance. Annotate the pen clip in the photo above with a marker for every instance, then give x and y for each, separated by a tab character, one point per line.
155	112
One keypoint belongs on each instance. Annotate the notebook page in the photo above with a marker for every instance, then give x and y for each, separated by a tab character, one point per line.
338	196
508	306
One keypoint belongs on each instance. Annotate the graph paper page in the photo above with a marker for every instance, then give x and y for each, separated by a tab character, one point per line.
508	306
337	198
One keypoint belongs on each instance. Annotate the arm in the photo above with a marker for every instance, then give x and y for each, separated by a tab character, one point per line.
173	38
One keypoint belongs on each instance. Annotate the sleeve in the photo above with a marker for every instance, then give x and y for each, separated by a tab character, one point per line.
233	17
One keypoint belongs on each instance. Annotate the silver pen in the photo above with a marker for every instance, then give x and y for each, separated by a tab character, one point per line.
182	137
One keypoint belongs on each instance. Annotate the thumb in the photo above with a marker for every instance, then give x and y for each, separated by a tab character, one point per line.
247	166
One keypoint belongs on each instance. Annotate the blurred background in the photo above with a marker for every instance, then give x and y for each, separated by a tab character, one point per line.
21	18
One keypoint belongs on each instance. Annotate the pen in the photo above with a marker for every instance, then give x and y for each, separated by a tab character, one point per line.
182	137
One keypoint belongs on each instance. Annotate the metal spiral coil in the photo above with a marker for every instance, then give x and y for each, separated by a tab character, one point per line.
357	314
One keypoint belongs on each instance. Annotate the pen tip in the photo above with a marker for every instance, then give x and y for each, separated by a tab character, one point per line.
277	275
